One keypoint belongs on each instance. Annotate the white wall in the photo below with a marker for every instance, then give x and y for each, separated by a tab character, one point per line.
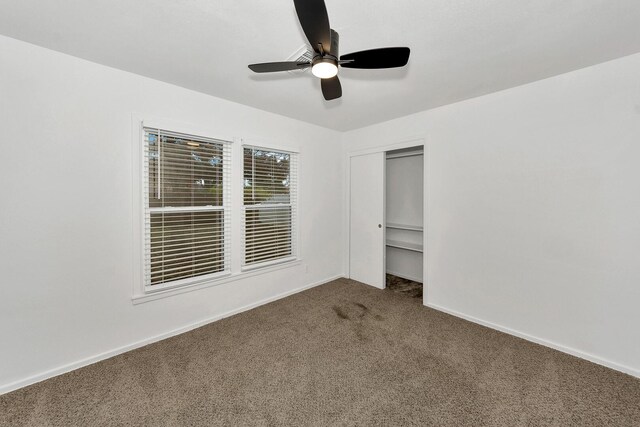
404	192
66	222
534	209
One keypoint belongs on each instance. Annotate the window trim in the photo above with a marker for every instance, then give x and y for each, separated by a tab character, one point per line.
139	125
295	233
225	208
139	295
271	263
229	278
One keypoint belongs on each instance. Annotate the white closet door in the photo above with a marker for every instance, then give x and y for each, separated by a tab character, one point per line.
367	249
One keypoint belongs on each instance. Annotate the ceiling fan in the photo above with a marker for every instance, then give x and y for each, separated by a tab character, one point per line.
324	41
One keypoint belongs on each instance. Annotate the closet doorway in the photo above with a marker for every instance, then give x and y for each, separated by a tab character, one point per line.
386	218
404	220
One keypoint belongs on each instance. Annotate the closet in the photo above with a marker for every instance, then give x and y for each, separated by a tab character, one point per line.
386	231
404	213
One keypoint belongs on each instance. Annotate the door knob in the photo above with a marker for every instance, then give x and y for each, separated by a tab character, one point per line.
379	225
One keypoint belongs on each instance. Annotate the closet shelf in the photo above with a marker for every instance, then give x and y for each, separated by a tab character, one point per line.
404	227
415	247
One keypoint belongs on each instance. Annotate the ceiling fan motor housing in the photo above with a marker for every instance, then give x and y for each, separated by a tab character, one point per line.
330	57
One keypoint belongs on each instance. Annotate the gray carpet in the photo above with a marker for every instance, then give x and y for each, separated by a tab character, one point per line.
339	354
404	286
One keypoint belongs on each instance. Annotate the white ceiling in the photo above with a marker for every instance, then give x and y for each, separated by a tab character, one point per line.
460	48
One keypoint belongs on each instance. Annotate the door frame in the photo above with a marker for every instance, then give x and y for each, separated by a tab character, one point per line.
407	143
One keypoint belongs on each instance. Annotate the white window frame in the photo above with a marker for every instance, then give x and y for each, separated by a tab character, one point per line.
294	197
142	211
139	294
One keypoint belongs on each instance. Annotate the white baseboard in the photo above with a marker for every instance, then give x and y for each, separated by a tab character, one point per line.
6	388
577	353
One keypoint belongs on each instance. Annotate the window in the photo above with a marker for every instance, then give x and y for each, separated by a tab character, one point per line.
269	211
186	208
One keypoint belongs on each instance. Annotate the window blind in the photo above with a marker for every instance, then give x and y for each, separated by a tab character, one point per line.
270	205
186	214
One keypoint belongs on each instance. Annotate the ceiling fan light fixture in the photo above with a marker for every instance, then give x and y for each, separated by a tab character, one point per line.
325	69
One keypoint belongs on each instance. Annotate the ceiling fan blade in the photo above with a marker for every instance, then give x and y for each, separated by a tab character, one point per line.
331	88
314	20
386	57
271	67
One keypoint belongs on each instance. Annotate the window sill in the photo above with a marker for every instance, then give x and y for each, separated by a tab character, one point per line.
154	295
265	265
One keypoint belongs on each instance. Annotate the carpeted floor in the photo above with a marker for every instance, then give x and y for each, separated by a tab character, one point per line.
404	286
339	354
